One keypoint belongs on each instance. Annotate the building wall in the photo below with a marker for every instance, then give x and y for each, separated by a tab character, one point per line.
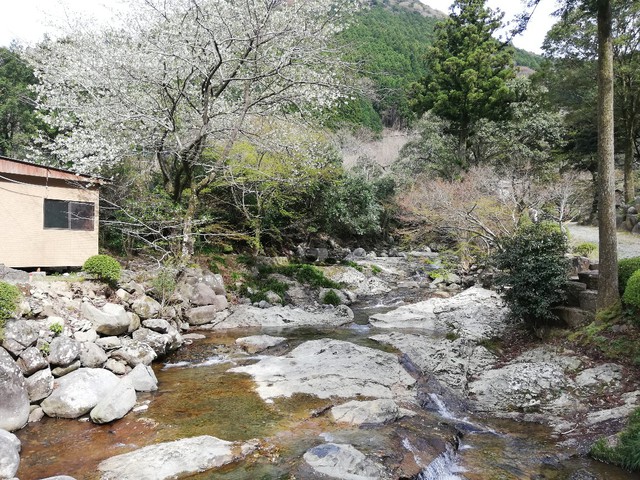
24	242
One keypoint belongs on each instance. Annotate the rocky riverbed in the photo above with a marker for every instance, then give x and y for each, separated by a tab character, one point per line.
295	391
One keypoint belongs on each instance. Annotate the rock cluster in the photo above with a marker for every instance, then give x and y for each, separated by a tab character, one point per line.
628	217
75	353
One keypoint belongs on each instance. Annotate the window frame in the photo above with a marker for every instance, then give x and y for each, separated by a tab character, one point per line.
71	210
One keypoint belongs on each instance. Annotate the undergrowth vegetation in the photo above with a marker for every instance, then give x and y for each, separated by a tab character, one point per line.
626	453
103	267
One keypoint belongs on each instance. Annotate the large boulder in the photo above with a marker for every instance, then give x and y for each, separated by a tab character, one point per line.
203	294
116	404
146	307
343	461
134	353
14	397
39	385
9	455
452	362
31	360
331	368
112	319
249	316
78	392
259	343
368	412
143	378
19	335
92	356
476	314
205	314
63	351
158	341
169	460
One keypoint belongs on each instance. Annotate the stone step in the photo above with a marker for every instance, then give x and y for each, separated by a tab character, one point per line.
574	317
588	299
574	288
594	266
590	279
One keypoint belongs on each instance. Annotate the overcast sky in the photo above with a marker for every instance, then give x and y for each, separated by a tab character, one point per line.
27	20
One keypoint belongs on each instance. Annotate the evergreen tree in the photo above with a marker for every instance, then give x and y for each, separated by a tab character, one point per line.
468	71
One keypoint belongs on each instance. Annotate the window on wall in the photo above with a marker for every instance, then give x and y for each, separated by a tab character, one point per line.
68	215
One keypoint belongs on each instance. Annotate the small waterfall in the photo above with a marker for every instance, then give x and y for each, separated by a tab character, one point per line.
442	409
444	467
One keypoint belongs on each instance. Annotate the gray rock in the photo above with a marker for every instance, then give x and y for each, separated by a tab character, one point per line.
343	461
118	367
146	307
205	314
249	316
631	403
452	362
259	343
135	353
134	322
36	415
115	404
158	341
169	460
369	412
59	477
143	378
203	294
109	343
88	336
112	319
124	296
9	454
31	360
14	399
476	314
39	385
19	335
605	376
327	368
92	356
62	371
524	387
359	252
157	325
78	392
12	275
63	351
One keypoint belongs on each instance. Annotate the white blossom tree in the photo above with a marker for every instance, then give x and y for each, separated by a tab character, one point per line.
180	82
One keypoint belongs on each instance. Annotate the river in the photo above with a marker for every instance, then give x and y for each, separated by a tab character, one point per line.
198	395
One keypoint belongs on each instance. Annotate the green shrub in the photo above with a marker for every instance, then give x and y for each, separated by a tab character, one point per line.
585	249
626	268
308	274
9	296
626	453
533	274
56	328
164	284
103	267
331	298
631	294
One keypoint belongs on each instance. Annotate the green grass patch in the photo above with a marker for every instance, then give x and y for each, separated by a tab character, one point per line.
626	453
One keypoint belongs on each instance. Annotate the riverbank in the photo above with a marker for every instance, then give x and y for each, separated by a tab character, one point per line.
432	364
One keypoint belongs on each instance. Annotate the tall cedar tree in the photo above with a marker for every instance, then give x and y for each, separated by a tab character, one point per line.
468	71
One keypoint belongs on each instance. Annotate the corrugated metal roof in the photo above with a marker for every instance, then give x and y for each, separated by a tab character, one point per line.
22	167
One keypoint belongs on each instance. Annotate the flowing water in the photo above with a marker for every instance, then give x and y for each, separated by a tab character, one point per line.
197	396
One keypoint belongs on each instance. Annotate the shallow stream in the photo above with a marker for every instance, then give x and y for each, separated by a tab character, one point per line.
198	396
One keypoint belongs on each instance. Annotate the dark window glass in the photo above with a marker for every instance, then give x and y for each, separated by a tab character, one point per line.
81	216
69	215
56	214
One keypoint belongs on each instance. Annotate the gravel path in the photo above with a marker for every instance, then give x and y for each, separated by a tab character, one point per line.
628	244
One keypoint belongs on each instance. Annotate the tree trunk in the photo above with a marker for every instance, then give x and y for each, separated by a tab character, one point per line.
463	138
188	241
629	151
608	293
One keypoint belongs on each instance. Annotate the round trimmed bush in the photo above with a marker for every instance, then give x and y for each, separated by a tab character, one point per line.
103	267
626	268
9	296
631	294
